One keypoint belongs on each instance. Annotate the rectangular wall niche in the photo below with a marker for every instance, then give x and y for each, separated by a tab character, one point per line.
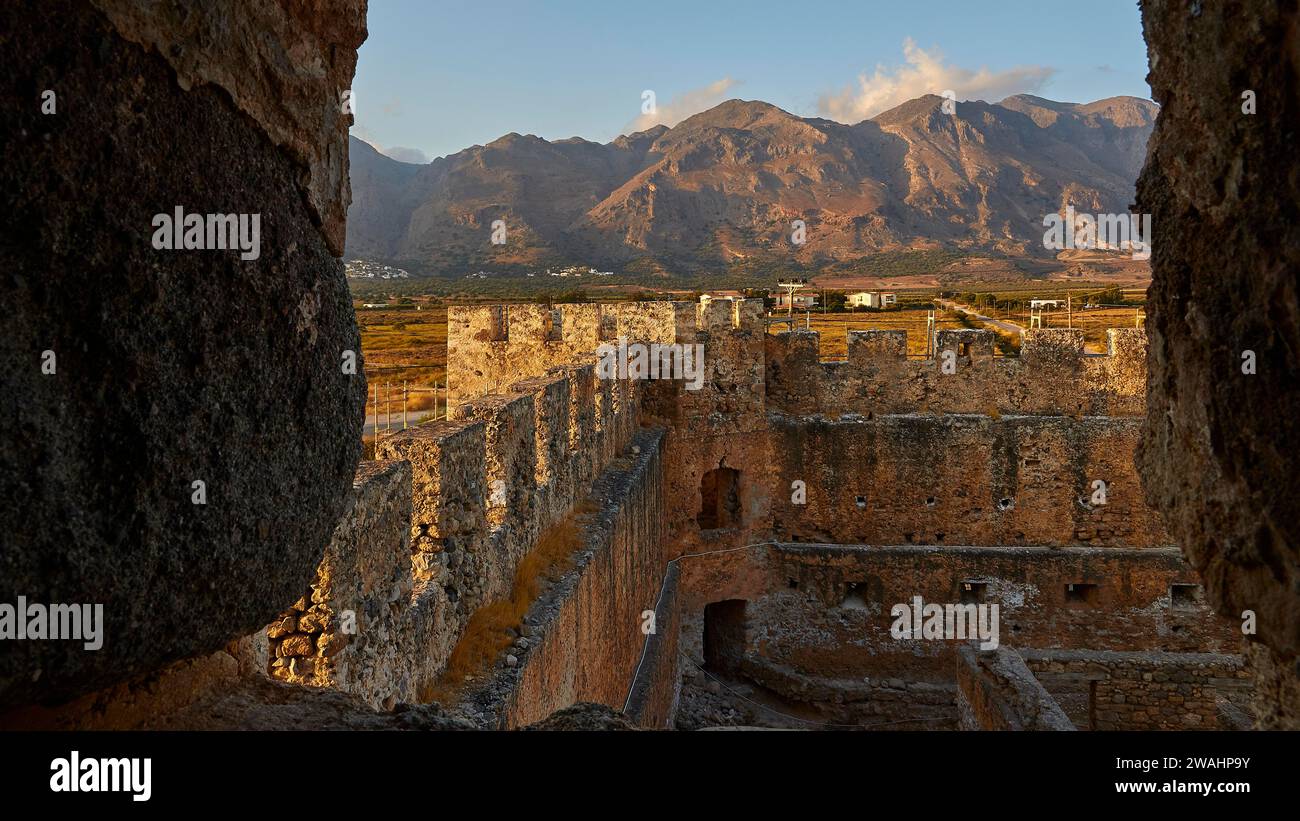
719	499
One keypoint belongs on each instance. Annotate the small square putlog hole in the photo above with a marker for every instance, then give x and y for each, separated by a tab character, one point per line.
856	596
1081	593
972	592
1185	596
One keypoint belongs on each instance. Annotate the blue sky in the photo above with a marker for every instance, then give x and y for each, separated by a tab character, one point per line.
437	76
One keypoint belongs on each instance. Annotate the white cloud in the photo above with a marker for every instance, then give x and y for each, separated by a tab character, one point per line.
395	152
926	72
682	106
404	154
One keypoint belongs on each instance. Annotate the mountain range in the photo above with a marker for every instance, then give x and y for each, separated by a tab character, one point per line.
722	189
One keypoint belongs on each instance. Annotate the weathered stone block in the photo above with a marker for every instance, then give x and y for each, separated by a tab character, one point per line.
173	366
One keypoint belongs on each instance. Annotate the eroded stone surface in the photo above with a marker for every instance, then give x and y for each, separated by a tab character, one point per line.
1219	447
172	366
287	64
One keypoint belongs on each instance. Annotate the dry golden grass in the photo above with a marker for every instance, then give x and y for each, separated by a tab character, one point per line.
1095	322
486	636
421	401
418	339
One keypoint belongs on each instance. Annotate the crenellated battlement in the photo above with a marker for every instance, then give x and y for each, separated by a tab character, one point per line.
1051	376
488	482
439	525
514	462
491	346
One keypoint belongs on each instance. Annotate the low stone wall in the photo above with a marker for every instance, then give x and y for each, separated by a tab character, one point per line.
817	623
825	610
997	691
656	688
906	702
1145	691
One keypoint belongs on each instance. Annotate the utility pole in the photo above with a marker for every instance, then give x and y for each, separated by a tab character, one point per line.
403	404
790	286
1069	310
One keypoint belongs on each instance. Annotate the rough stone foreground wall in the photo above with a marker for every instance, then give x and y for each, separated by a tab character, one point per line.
1051	376
487	485
286	64
960	479
226	690
1145	691
1219	451
824	610
997	691
587	636
172	366
150	700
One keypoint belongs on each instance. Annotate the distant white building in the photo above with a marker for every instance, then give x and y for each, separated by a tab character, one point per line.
870	299
800	300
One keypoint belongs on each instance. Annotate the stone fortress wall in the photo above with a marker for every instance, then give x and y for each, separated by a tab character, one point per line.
916	482
890	450
480	492
999	453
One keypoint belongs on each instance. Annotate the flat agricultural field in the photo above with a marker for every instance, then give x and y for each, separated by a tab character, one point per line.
405	345
1093	321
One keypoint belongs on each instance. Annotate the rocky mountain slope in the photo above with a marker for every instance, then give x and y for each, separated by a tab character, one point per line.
723	187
